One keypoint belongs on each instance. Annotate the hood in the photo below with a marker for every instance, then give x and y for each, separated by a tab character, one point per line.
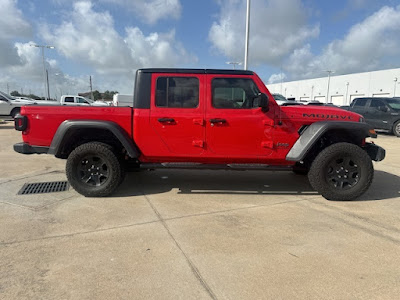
318	113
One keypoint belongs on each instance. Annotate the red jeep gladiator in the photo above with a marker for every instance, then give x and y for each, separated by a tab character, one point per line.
205	119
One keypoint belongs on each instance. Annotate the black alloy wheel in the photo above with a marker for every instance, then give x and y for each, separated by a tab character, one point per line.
93	170
343	173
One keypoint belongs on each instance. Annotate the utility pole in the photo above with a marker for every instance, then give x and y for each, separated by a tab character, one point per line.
48	86
394	90
246	48
91	88
44	66
8	89
329	81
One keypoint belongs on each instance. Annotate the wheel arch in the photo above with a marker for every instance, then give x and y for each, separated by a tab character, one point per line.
73	133
322	134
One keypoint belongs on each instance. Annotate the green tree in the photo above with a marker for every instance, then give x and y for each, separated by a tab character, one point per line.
15	94
96	95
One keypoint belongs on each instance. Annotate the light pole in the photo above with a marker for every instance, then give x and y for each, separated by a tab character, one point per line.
394	90
312	92
246	48
347	92
234	63
329	81
44	66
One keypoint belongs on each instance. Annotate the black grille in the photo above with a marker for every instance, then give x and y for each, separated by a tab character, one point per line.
44	187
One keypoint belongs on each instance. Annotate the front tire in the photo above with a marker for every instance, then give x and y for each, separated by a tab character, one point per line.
396	129
94	170
342	171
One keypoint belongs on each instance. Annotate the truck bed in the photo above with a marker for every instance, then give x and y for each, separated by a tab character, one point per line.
43	121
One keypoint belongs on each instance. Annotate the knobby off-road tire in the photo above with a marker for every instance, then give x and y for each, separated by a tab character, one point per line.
342	171
94	170
396	128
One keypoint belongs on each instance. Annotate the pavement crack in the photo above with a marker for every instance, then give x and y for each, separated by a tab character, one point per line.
194	269
76	233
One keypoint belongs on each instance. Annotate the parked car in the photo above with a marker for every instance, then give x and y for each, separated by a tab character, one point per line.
381	113
203	119
10	106
282	100
80	101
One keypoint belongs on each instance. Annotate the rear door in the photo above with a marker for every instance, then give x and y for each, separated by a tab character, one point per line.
236	126
177	113
378	114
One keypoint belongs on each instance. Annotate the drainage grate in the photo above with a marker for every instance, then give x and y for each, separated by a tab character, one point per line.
44	187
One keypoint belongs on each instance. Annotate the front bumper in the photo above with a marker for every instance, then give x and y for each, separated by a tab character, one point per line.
375	152
28	149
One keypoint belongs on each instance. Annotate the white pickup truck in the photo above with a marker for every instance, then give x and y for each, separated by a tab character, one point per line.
79	100
10	106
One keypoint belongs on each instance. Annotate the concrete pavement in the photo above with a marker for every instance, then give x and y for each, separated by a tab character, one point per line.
171	234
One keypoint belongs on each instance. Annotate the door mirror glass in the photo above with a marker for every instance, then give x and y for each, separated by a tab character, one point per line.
263	101
383	108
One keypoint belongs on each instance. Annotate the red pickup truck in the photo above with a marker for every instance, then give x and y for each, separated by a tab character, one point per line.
201	118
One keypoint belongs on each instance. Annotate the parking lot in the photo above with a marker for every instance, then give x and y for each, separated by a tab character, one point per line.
179	234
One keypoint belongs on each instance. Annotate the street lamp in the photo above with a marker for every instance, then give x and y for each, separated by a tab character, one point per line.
246	47
234	63
394	91
347	92
46	88
329	81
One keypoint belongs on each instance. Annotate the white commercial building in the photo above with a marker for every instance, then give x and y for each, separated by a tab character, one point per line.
341	90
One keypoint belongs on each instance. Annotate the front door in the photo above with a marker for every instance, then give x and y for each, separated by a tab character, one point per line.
237	128
177	113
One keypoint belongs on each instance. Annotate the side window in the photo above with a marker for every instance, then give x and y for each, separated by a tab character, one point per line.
234	93
3	99
377	103
360	102
177	92
81	100
69	99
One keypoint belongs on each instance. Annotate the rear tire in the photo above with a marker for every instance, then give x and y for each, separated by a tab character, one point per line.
15	112
94	170
396	128
342	171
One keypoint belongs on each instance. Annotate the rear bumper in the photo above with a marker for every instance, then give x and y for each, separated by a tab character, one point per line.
28	149
375	152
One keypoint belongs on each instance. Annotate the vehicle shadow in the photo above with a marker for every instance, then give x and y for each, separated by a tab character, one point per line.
6	126
384	186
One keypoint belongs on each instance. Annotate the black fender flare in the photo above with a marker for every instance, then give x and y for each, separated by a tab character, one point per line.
316	130
71	125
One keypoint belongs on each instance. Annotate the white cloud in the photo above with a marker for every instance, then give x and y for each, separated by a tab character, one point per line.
151	11
89	37
277	27
274	78
370	45
12	22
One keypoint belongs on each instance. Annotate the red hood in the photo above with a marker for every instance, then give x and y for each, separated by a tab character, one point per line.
318	113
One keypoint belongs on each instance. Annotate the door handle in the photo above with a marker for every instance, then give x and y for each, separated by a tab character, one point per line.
217	121
166	120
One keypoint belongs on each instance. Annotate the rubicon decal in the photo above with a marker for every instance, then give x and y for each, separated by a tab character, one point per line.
324	116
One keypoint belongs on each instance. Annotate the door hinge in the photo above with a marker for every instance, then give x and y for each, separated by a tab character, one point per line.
198	143
198	122
267	144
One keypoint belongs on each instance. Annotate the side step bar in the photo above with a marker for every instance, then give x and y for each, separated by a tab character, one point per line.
190	165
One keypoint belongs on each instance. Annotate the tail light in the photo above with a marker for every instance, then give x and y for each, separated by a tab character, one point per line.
20	122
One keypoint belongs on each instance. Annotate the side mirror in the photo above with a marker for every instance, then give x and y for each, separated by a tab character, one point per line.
263	101
383	108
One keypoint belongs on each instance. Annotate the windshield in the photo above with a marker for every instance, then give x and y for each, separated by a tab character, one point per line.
89	100
394	103
7	96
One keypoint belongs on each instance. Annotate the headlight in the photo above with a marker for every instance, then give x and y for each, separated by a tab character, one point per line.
362	120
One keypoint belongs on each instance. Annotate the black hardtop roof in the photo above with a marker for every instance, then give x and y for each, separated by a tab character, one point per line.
196	71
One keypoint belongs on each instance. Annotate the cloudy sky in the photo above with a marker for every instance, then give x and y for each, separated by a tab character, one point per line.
110	39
